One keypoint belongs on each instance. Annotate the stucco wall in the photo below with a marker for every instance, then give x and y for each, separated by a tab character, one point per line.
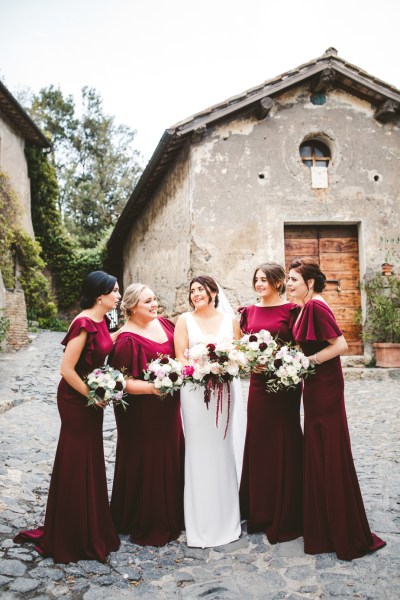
13	163
157	251
248	181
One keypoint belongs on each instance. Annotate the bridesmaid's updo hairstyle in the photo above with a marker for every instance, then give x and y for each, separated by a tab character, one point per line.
209	284
275	275
131	298
94	285
309	269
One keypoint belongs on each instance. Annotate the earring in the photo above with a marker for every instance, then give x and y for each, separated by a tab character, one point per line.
99	301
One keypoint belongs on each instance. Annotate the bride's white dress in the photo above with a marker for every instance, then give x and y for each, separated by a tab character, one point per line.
211	499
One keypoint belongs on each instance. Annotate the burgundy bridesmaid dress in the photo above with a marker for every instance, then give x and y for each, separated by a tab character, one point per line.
334	514
78	523
271	492
147	495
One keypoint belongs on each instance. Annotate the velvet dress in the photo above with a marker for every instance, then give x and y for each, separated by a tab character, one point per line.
78	523
147	495
271	493
334	514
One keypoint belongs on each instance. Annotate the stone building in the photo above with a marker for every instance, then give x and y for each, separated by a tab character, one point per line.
16	131
304	164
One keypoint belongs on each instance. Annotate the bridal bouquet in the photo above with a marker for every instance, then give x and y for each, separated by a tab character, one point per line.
289	366
214	365
166	374
106	385
259	349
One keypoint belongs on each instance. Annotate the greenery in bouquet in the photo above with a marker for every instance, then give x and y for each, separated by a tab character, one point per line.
289	367
106	385
213	365
259	349
214	362
166	374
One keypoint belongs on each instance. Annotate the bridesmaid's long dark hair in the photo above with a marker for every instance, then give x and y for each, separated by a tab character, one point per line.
309	269
94	285
275	275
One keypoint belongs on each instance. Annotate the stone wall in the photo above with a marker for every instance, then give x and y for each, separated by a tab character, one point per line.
15	312
13	163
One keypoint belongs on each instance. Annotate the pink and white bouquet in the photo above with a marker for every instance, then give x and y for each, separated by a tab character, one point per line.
259	349
106	385
289	367
213	365
166	374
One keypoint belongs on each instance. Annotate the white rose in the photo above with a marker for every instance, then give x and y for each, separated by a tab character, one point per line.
305	362
232	368
215	368
111	384
166	382
296	379
253	346
179	381
291	371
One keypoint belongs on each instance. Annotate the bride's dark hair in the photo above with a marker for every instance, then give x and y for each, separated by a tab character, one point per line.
209	284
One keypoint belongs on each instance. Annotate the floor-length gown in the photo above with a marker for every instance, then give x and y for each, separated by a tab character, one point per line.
271	489
147	495
211	500
78	522
334	514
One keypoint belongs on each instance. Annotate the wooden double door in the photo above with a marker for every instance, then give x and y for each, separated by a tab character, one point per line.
335	248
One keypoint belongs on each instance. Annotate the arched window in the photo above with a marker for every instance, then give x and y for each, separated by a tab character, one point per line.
315	153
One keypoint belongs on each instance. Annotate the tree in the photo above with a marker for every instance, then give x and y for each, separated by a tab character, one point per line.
96	163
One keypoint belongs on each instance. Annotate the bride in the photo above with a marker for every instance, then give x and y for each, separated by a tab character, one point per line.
211	500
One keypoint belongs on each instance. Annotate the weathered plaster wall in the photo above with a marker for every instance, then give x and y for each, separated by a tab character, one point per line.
248	181
157	250
13	163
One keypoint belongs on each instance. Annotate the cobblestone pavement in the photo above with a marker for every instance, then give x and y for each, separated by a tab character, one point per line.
247	568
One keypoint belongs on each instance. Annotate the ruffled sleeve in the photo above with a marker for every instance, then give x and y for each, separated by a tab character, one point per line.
243	318
317	322
129	354
75	329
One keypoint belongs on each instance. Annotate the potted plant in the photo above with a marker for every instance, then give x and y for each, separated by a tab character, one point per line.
382	324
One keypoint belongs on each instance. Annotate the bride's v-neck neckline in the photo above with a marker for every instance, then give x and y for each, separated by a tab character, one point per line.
208	334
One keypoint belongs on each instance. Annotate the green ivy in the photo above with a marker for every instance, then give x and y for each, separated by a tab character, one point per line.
18	247
8	213
68	263
4	325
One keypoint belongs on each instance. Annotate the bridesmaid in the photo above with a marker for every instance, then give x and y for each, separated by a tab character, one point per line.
78	522
147	495
334	515
271	486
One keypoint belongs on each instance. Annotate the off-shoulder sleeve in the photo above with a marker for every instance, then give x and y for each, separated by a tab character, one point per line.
317	323
242	310
128	353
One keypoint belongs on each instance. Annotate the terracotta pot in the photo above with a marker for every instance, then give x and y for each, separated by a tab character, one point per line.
387	269
387	355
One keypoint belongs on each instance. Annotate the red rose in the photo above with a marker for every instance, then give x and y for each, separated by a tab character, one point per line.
211	347
173	376
100	392
164	360
252	338
263	346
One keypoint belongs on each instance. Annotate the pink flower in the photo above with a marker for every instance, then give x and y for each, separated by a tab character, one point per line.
188	370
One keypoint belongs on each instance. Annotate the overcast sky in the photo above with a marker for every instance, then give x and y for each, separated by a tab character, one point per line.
156	62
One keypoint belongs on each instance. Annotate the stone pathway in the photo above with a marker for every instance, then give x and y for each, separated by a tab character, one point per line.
249	568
